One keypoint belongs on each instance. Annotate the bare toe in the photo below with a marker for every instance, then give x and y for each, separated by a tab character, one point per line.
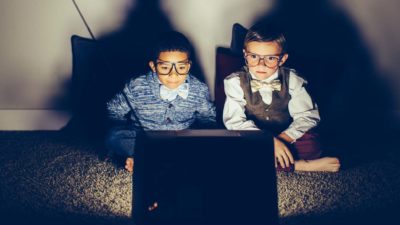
129	164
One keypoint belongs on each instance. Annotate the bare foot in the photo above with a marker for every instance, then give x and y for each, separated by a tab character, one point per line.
129	164
327	164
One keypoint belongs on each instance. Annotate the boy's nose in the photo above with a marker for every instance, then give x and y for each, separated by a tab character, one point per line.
173	73
262	62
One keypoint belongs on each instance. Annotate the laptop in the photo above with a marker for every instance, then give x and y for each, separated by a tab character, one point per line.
204	177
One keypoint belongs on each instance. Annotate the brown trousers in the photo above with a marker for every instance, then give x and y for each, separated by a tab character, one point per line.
307	147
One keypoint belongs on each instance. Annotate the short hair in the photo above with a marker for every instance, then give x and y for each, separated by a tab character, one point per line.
266	33
171	41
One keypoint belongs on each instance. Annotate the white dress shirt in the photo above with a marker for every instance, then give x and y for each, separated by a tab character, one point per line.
301	107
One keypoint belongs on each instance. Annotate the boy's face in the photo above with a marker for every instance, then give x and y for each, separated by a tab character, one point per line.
263	58
172	68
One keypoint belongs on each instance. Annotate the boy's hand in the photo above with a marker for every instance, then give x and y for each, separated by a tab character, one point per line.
282	154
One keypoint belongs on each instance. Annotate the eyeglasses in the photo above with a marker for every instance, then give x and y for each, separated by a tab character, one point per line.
270	61
165	68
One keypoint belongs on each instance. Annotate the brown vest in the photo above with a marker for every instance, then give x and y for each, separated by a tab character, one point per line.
274	117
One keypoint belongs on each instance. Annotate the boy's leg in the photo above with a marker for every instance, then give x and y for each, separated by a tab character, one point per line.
121	142
307	147
307	152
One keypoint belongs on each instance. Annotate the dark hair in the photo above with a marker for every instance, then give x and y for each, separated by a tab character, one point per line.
171	41
266	33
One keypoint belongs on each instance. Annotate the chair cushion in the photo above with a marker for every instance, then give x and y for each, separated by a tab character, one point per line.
238	35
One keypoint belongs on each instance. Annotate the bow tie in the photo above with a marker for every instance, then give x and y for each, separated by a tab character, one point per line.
171	94
274	85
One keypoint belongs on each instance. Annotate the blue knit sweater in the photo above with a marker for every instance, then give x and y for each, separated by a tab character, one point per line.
154	113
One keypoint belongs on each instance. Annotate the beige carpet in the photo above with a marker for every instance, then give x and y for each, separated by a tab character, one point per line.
49	178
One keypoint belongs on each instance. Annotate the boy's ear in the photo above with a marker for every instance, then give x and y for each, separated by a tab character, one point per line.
283	59
152	66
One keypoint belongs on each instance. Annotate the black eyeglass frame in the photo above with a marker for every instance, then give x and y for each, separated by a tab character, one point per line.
173	66
262	57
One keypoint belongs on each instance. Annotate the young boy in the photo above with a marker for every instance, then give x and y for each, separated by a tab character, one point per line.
265	95
167	98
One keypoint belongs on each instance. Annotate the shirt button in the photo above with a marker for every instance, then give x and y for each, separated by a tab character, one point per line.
170	106
267	110
267	118
168	120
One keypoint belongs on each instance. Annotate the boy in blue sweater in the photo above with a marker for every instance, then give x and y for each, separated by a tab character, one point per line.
167	98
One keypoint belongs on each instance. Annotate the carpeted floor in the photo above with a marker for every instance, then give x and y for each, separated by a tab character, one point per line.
47	177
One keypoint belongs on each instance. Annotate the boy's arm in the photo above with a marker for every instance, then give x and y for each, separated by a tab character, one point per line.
206	115
234	116
302	109
122	132
117	108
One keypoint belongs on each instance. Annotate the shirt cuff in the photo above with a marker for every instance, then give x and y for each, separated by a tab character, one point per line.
293	134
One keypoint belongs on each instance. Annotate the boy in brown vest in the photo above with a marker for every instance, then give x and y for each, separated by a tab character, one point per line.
265	95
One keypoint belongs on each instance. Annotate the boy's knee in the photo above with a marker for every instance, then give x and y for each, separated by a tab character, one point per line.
121	142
